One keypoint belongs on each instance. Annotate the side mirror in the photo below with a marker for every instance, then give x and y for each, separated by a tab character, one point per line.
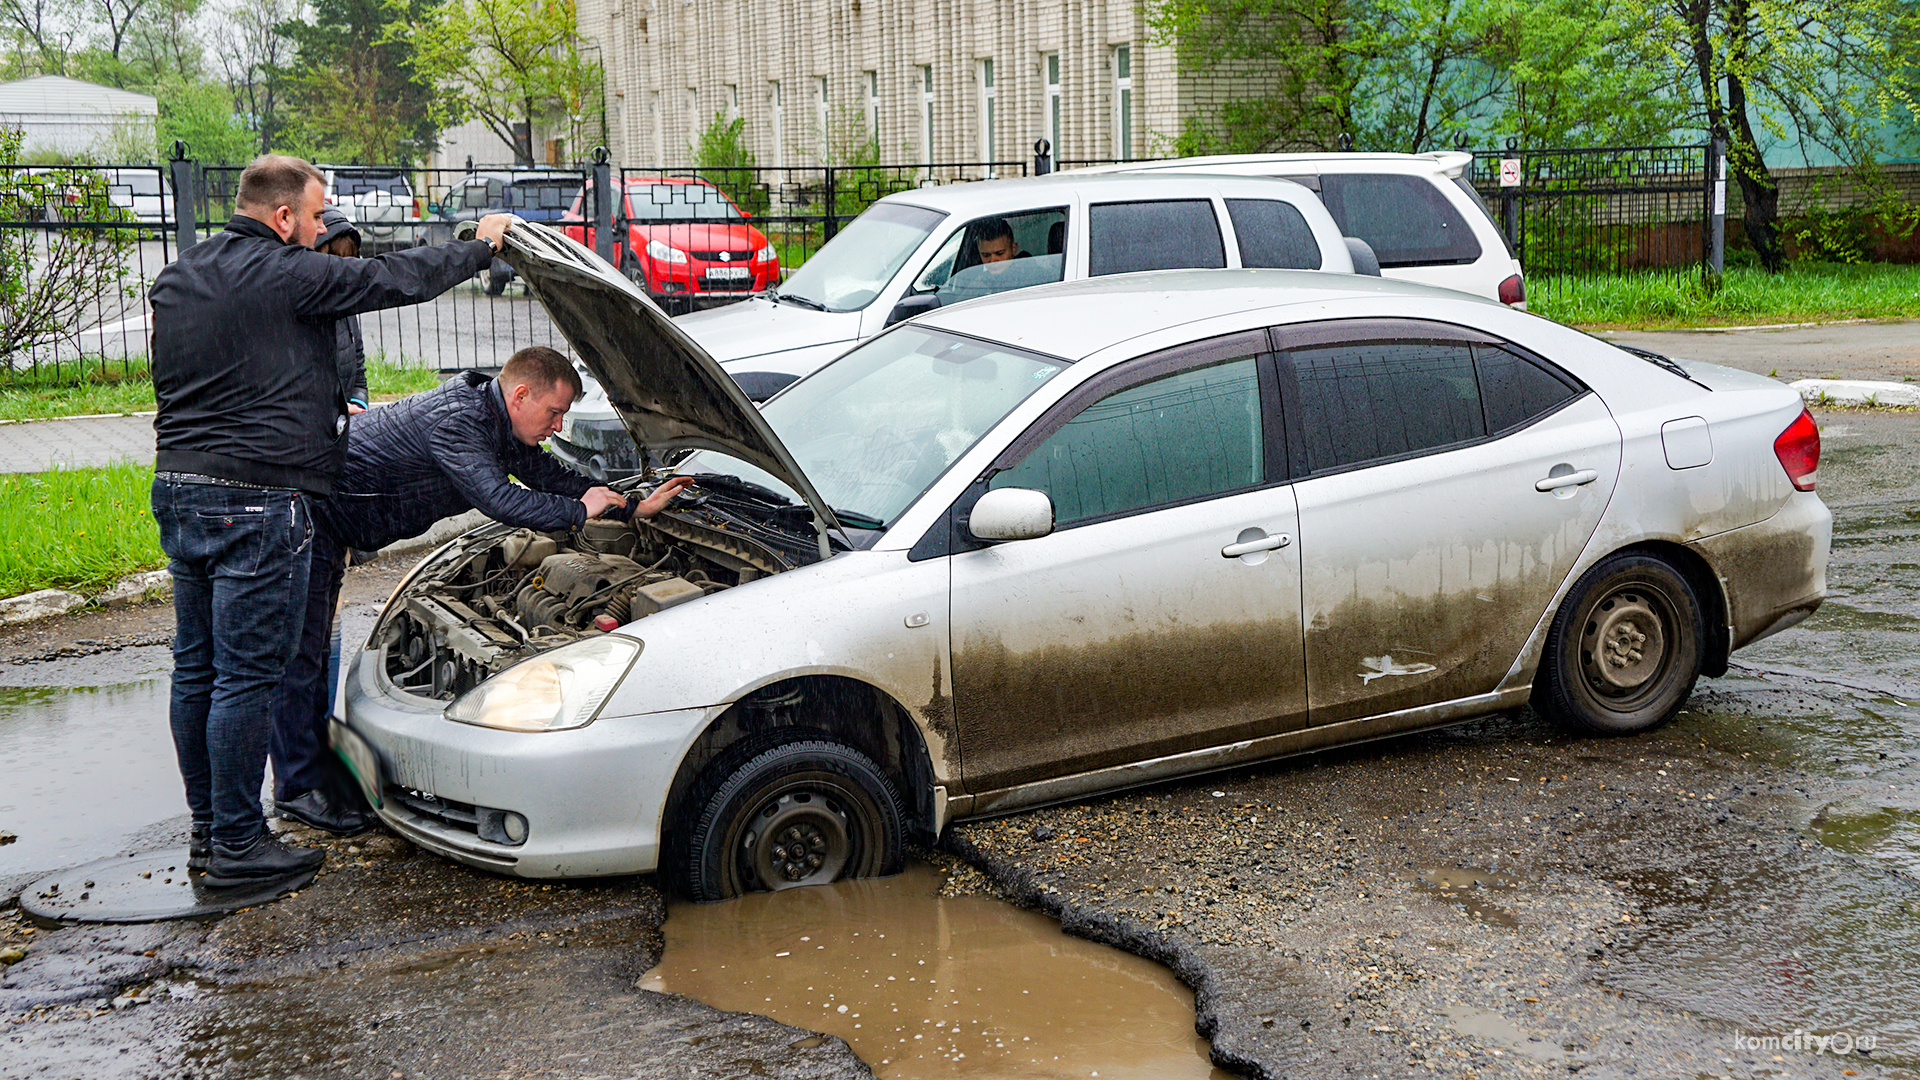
1011	514
1364	261
910	306
435	208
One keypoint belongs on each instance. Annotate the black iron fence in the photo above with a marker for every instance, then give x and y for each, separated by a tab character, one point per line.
1607	211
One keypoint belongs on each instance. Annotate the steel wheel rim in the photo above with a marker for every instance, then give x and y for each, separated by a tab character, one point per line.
1626	644
797	838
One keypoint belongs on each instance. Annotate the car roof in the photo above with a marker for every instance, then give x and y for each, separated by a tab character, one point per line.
517	176
983	196
1075	319
1431	163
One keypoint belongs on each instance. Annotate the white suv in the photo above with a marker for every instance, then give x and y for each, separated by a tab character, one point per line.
918	250
380	202
1422	218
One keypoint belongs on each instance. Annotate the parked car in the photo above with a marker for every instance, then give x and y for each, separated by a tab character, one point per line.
1422	218
917	250
142	192
684	238
379	199
1061	541
540	195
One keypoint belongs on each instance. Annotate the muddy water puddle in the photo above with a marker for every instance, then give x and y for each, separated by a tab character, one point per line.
80	769
925	986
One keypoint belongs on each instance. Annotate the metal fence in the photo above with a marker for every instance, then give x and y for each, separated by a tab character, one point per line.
1615	210
129	222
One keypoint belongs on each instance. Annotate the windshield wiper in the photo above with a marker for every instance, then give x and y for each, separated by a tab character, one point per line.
856	519
1663	363
790	298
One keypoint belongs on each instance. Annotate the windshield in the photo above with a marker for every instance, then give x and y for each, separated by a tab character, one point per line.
856	264
875	427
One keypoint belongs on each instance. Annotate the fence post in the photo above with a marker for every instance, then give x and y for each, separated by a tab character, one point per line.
833	219
1716	213
1510	205
185	198
1042	157
603	198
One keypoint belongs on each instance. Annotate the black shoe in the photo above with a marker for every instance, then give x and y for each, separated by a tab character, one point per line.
315	809
262	862
199	846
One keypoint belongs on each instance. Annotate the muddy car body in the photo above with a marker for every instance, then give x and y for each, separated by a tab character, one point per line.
1062	541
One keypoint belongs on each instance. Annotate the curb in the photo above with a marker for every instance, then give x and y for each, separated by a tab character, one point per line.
1859	392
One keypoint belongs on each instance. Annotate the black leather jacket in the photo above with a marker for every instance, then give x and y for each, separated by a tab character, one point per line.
244	349
443	452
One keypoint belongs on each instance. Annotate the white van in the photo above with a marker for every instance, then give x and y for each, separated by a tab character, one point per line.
917	250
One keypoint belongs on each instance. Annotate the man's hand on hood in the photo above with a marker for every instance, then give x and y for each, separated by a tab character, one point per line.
494	227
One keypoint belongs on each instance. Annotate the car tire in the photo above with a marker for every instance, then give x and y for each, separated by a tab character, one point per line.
806	811
1624	650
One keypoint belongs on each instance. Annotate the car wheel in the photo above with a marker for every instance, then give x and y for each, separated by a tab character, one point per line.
803	812
1624	650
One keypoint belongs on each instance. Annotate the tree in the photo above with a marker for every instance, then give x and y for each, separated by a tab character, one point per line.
508	63
44	33
49	281
357	85
201	115
253	56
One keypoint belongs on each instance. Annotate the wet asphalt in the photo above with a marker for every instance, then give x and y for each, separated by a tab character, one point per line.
1737	894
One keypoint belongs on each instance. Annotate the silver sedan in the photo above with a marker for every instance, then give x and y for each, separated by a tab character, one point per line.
1063	541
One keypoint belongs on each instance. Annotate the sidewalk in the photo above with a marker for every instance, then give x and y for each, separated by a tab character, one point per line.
76	442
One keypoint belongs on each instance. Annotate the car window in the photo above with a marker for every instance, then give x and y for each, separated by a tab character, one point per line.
679	202
541	194
857	263
1272	234
1405	219
1368	401
872	429
1516	391
999	277
350	184
1036	233
1178	438
1168	234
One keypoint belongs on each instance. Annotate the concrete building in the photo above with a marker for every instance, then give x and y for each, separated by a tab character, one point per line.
64	117
926	80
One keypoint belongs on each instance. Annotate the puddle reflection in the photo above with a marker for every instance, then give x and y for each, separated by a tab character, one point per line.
923	986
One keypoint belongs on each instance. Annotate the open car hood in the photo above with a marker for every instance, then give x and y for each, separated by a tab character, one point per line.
665	388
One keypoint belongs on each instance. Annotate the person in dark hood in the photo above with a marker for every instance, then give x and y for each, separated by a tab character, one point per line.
249	431
342	239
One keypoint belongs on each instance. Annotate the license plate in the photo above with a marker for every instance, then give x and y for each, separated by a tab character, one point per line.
729	273
361	761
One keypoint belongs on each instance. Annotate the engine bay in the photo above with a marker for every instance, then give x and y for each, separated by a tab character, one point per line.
499	594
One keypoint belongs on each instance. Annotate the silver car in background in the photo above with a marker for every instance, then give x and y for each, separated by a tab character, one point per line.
1062	541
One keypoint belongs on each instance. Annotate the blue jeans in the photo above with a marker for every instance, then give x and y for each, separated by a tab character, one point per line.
239	562
299	743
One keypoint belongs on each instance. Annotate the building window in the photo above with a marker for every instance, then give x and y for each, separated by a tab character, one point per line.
987	143
820	117
694	125
873	107
1053	103
733	102
779	128
1123	102
926	112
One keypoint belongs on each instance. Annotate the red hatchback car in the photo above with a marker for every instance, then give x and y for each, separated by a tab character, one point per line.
684	237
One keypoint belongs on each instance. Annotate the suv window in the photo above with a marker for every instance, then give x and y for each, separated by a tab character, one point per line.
346	184
1169	234
1036	235
1182	437
1272	234
1406	220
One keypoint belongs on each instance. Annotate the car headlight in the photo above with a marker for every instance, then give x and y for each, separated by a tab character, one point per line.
554	691
765	254
660	252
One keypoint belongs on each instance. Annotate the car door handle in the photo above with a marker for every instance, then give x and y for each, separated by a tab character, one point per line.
1566	480
1265	543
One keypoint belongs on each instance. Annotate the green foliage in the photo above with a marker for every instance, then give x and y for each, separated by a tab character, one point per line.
726	161
78	529
201	115
508	63
50	280
357	88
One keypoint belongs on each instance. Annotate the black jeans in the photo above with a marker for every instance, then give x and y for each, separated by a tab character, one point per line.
239	562
303	699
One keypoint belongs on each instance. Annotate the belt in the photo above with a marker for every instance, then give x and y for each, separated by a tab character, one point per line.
216	481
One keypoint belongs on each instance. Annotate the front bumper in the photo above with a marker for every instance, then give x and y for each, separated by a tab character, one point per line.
591	798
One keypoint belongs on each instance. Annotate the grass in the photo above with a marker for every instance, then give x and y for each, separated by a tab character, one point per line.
1808	292
79	529
98	385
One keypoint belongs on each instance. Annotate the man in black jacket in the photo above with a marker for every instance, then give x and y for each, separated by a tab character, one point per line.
433	455
250	428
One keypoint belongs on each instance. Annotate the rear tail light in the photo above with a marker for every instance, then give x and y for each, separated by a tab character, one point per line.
1798	449
1513	291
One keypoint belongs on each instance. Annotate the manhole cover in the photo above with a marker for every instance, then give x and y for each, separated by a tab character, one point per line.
148	886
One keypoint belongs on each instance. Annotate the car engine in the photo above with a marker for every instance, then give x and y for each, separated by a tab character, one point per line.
499	595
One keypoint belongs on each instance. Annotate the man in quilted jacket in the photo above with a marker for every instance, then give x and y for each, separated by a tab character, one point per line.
436	454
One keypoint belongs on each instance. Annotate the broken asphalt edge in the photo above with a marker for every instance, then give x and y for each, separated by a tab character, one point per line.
1858	392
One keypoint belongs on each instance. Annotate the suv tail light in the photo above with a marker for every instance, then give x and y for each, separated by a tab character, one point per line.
1513	291
1798	449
